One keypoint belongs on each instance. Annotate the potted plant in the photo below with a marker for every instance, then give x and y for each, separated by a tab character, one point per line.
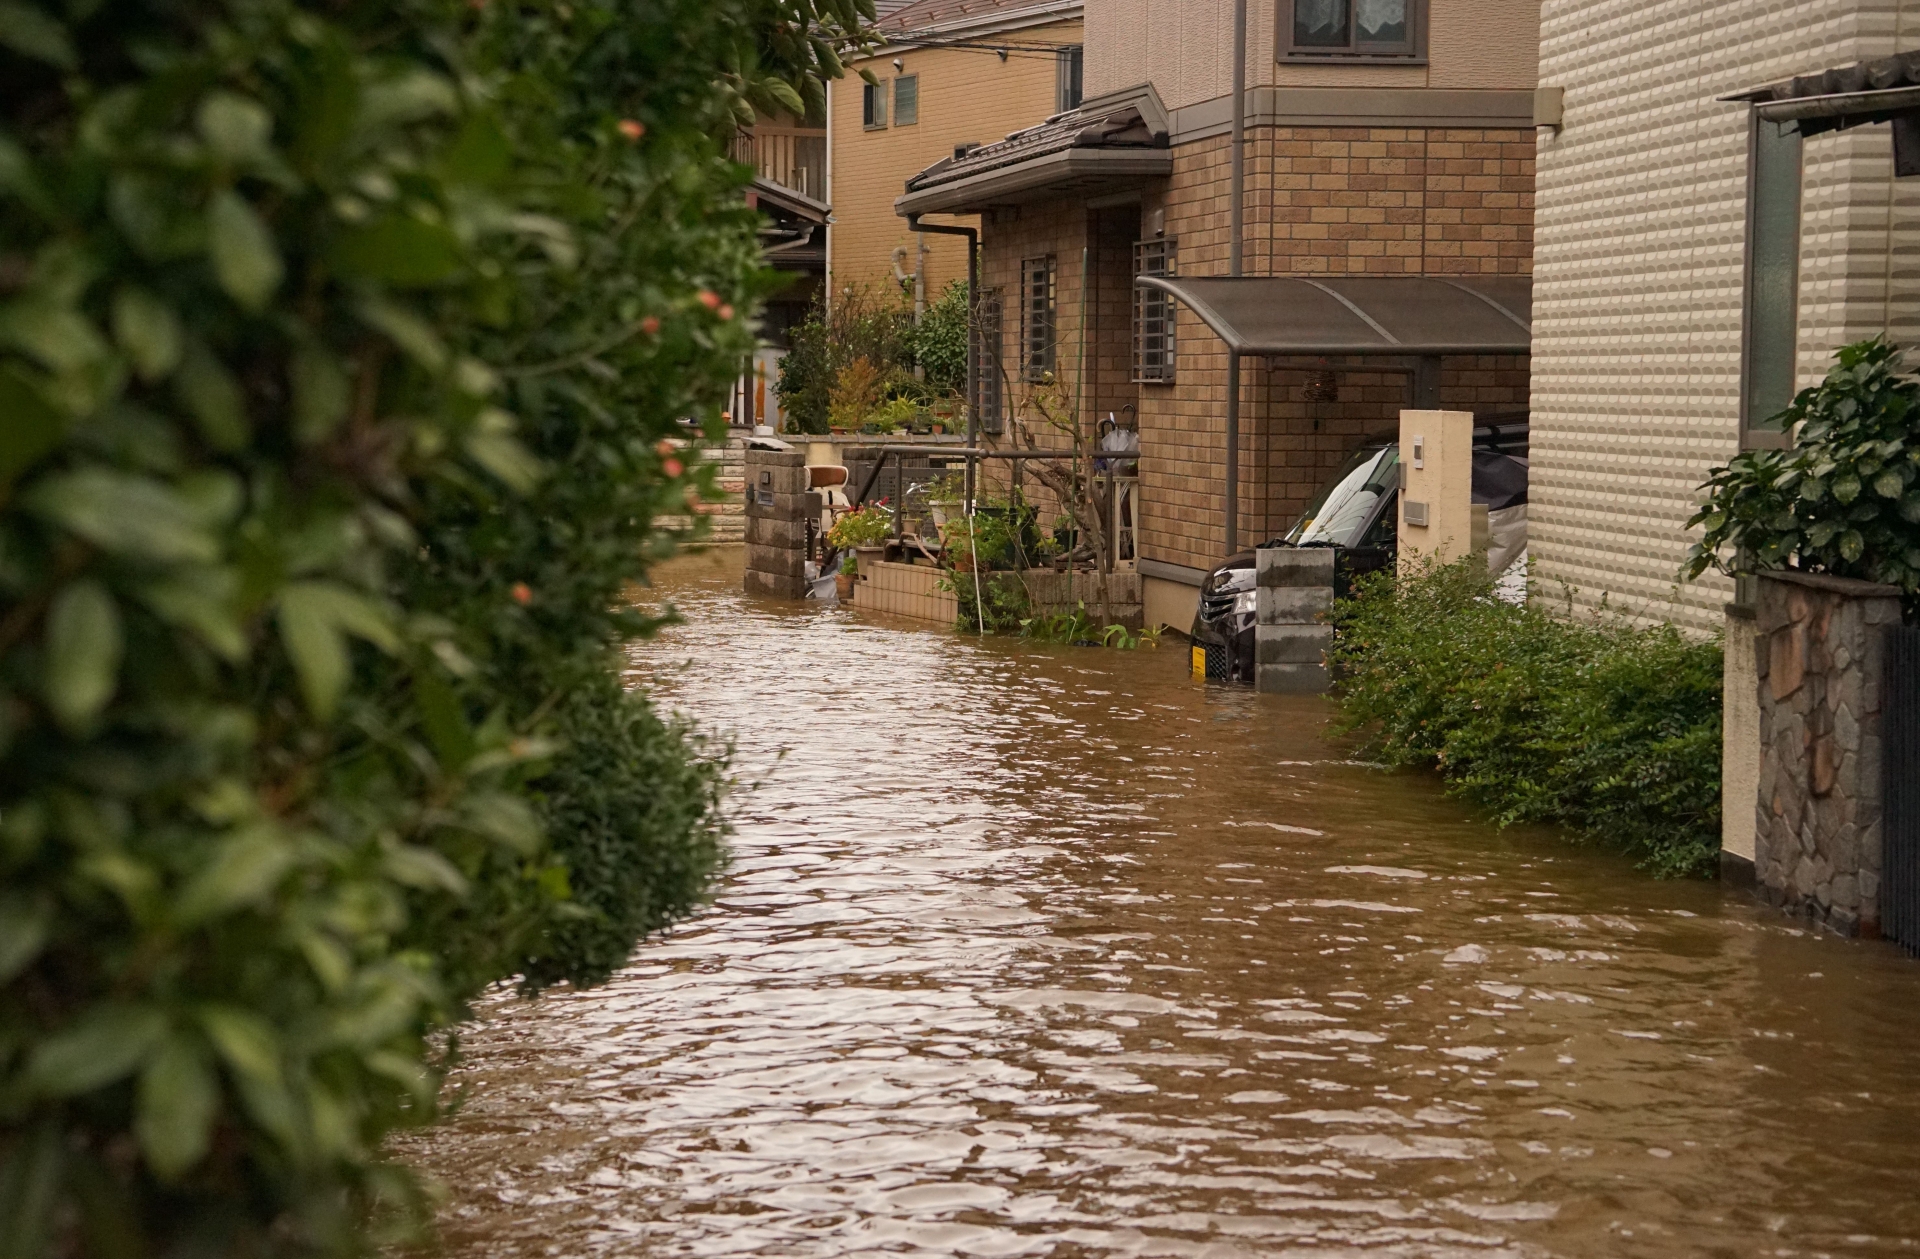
863	531
844	579
944	498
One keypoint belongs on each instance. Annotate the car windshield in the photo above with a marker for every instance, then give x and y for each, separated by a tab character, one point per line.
1339	515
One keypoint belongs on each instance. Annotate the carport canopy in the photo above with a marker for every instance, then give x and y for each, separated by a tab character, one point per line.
1374	315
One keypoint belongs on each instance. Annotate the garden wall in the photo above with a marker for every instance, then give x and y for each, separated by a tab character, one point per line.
1820	658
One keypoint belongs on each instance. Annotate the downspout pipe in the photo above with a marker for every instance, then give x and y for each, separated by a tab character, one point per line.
973	334
1237	191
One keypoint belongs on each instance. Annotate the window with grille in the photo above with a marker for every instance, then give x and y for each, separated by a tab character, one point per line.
1036	318
1152	313
906	100
986	362
873	105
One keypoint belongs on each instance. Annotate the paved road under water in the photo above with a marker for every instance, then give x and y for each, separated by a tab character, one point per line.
1035	951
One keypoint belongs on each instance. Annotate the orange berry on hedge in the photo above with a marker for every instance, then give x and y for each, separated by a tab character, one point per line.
672	467
709	299
522	593
632	128
650	325
725	311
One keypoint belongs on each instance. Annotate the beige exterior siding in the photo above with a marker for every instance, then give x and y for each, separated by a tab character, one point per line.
1178	46
1637	296
966	96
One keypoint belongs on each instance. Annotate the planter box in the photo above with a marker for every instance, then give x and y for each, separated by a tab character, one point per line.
905	590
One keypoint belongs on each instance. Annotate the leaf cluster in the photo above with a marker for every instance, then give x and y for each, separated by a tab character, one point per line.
340	349
1597	725
1845	499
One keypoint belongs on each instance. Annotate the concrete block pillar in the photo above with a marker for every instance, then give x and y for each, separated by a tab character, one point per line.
1820	649
1291	635
1436	498
776	492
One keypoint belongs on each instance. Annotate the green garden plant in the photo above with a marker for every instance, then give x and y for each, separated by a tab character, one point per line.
1597	725
870	525
339	344
1845	499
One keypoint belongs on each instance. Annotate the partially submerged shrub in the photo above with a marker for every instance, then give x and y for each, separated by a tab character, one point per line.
1607	728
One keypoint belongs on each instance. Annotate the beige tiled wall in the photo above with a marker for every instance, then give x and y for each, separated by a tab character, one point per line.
967	96
905	590
1640	237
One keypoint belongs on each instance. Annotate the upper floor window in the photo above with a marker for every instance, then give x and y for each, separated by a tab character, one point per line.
873	105
1067	93
1352	28
906	100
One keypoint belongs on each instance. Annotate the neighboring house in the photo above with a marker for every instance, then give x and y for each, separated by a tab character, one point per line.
1696	264
1388	219
789	157
951	72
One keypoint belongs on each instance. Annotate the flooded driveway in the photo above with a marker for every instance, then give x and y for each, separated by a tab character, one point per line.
1037	951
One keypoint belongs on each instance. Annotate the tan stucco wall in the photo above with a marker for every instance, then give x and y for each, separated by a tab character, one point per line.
1184	48
966	96
1637	297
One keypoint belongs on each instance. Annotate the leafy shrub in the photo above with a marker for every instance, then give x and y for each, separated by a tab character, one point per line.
1845	499
1596	725
939	341
337	345
863	526
860	324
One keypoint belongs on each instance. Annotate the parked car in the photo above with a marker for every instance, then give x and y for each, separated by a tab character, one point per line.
1357	513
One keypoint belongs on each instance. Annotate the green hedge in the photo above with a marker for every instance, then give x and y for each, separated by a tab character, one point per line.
1594	724
338	346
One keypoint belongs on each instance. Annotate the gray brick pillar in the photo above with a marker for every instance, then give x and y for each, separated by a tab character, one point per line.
1291	634
1819	655
776	494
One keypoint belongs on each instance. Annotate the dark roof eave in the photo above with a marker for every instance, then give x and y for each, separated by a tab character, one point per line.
1033	179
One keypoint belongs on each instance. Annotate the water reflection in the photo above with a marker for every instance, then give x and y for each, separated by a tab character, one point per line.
1037	951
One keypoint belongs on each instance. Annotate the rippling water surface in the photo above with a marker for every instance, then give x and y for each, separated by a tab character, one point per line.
1034	951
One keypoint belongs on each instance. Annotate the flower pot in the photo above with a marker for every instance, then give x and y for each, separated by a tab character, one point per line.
843	586
865	557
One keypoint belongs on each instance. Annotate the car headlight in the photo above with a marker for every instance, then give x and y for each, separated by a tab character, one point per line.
1247	602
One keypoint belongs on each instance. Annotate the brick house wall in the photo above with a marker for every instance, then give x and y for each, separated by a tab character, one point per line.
1638	296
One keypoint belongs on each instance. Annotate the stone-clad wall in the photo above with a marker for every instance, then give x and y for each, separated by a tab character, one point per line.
1820	656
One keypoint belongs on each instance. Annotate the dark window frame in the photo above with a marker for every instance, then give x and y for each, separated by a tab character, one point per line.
1069	78
1770	338
900	118
1411	52
1154	318
873	106
1039	290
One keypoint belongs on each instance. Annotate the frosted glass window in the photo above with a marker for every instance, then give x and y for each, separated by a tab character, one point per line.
1773	272
906	100
1364	28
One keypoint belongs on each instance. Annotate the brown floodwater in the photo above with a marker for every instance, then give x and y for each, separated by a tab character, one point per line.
1054	951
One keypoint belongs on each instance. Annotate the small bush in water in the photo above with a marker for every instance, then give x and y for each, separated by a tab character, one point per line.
1598	725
